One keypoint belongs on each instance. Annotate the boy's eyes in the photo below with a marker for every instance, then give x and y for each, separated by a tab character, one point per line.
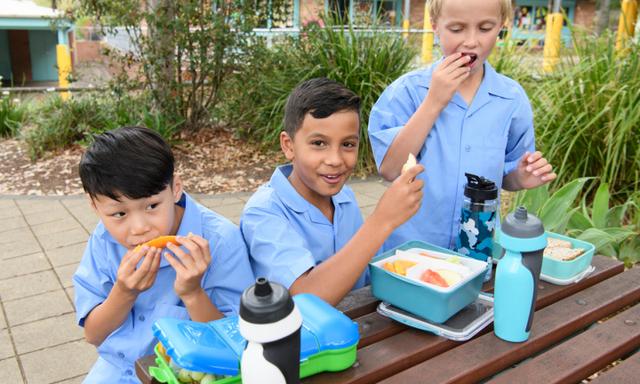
350	144
118	215
152	206
318	143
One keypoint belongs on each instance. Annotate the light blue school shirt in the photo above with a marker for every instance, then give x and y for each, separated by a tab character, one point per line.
287	235
228	275
487	138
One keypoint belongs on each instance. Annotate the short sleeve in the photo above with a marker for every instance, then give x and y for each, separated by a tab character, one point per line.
230	271
388	115
521	133
93	279
277	251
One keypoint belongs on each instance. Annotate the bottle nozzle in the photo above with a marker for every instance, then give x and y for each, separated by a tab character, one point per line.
263	288
521	213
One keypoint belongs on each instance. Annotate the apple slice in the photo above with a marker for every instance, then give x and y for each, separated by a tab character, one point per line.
411	161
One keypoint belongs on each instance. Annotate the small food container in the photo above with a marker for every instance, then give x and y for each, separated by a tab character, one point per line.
410	293
559	270
208	353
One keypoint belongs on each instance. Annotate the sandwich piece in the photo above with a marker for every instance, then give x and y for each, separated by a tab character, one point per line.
562	254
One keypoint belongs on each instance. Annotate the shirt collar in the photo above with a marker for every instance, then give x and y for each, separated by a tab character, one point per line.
492	83
291	198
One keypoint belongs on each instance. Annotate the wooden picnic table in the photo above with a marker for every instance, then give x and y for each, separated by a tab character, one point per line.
578	330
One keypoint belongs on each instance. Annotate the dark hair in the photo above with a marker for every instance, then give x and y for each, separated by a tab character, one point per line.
321	97
134	162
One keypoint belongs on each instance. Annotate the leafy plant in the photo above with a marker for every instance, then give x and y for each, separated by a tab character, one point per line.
365	62
187	51
605	226
610	230
12	115
587	114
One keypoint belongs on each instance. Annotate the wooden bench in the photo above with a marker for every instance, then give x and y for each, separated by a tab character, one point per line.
565	324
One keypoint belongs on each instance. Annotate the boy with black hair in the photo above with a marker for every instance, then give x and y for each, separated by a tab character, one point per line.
120	290
304	228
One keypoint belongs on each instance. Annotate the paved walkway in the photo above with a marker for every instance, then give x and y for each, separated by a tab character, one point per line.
41	242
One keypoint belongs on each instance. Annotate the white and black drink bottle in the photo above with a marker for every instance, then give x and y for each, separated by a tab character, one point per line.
270	322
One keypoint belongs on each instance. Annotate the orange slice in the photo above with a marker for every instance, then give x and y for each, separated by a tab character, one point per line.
402	265
159	242
389	267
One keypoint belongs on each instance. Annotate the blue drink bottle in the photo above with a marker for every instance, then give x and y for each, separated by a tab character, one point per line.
523	238
478	219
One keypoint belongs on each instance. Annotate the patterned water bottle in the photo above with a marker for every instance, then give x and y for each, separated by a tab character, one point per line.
478	220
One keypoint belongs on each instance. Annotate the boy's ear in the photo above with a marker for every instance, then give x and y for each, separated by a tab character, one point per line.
176	188
286	143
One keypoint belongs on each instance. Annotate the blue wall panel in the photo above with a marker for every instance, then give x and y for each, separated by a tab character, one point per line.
5	59
42	47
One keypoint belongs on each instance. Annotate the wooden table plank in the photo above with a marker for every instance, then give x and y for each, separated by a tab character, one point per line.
626	372
376	362
582	355
487	355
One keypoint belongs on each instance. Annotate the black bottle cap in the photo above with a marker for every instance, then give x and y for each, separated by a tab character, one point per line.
479	189
265	302
522	224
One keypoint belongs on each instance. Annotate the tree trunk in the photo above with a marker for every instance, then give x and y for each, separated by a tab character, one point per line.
603	16
162	44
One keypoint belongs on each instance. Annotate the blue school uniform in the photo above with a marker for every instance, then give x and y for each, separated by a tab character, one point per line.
287	235
487	138
228	275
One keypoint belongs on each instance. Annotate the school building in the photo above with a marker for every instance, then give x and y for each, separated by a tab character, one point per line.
528	19
34	43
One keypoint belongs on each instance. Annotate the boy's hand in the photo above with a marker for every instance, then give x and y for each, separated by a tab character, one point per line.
402	199
131	280
533	171
191	266
446	79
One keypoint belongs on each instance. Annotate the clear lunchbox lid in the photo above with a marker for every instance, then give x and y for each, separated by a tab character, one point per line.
462	326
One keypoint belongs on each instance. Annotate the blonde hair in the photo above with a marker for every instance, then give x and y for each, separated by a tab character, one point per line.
435	6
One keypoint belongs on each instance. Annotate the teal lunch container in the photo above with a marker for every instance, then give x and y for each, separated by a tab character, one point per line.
428	301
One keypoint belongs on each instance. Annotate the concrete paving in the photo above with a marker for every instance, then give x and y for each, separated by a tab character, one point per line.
41	242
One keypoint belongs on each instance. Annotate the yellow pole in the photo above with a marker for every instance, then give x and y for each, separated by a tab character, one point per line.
427	36
551	53
64	68
627	23
406	19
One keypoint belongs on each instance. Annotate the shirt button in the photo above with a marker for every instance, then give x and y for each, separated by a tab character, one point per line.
129	372
141	317
121	355
467	148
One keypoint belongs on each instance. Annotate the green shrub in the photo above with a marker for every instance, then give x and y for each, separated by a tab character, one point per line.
364	62
587	115
59	123
12	115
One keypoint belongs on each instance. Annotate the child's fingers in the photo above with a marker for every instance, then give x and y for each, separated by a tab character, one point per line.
204	247
145	267
549	177
174	262
411	173
131	259
449	60
543	170
185	258
537	164
535	156
155	267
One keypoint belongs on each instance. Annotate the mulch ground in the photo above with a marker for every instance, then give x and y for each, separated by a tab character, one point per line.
207	161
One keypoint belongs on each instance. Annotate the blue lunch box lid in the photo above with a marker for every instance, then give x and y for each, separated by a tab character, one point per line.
217	346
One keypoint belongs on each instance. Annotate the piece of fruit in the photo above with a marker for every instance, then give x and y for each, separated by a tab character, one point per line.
402	265
159	242
185	376
197	376
208	379
454	260
433	277
411	161
163	352
449	276
389	267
